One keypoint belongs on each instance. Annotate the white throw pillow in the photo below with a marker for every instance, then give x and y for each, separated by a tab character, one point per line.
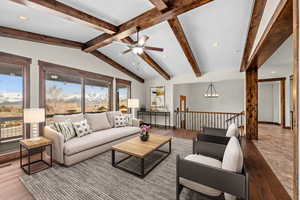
232	130
82	128
98	121
129	119
232	160
120	121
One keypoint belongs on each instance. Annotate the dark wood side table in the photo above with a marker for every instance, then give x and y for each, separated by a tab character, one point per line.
33	146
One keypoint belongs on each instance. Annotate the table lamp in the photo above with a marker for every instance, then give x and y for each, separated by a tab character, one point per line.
34	116
133	103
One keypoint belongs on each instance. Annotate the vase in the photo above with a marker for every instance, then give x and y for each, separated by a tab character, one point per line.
144	136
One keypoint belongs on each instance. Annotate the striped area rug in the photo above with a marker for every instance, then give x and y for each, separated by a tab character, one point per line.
96	179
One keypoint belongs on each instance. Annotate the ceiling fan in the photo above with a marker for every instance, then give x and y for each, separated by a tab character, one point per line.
139	46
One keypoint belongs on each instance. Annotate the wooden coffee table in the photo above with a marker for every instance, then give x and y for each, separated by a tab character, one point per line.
139	149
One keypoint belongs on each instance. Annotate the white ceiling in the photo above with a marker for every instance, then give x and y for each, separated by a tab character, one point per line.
280	64
222	21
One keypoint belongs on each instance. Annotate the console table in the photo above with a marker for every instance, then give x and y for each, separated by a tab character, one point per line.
154	114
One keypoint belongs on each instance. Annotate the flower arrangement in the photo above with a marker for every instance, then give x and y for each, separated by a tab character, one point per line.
144	134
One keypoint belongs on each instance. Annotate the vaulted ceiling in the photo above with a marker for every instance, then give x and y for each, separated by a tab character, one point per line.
216	33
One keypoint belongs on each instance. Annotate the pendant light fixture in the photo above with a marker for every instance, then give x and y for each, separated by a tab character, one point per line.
211	91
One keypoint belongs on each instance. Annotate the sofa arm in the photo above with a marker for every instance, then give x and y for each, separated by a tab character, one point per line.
136	122
58	144
213	177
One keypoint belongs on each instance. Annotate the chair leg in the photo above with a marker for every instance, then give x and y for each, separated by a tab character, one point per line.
178	191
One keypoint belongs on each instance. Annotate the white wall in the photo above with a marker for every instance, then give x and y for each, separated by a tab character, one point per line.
231	97
64	56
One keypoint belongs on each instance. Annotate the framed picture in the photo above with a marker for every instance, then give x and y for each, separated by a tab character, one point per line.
157	96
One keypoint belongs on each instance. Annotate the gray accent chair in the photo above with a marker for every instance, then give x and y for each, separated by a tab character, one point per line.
209	175
231	131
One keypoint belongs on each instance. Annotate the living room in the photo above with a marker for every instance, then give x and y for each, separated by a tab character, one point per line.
151	99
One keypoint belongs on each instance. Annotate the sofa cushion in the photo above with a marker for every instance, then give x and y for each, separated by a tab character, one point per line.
199	187
232	130
111	116
82	128
98	121
72	118
94	139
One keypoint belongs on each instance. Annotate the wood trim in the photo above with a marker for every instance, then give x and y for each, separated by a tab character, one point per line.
149	60
295	96
272	79
14	59
251	104
71	14
116	65
123	81
142	21
267	122
278	30
181	38
34	37
257	13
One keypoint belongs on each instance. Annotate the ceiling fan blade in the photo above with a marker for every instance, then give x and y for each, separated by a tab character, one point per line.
127	51
153	48
143	40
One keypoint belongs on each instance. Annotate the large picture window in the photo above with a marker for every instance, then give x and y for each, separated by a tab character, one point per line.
67	90
123	93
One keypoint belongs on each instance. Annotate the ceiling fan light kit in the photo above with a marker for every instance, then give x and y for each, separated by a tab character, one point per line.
139	46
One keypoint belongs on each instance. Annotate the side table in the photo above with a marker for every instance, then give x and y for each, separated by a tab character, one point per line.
31	146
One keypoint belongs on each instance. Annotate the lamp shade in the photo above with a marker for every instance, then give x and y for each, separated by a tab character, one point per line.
133	103
34	115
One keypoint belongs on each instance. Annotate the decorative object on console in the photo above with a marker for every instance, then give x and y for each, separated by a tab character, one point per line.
157	97
211	91
145	134
34	116
133	104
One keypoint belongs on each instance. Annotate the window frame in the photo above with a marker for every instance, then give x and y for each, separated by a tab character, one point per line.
122	82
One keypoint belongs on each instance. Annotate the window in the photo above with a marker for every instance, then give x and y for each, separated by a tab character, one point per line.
123	93
63	94
66	90
97	96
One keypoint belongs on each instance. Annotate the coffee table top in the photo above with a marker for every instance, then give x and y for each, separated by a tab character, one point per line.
138	148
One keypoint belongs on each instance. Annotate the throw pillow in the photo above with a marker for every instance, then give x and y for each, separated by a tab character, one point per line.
120	121
66	129
129	119
232	130
98	121
82	128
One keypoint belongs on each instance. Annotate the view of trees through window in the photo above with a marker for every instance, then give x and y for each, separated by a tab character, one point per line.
96	96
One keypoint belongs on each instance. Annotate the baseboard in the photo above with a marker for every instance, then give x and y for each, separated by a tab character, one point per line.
266	122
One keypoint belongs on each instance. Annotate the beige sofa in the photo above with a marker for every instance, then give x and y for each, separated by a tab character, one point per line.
81	148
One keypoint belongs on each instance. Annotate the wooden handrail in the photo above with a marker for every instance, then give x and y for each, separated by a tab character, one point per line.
231	113
235	116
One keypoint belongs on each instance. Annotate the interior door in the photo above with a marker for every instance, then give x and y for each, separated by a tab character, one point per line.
183	109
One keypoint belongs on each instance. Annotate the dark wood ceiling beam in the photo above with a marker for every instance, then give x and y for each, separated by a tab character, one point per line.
69	13
257	13
116	65
159	4
278	30
145	20
149	60
179	33
34	37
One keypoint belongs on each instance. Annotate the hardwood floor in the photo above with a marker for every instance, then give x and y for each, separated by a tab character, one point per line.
264	185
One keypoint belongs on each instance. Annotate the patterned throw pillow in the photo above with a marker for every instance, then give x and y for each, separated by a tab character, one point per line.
82	128
120	121
66	129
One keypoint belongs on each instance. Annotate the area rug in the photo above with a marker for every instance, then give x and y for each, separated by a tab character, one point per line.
97	179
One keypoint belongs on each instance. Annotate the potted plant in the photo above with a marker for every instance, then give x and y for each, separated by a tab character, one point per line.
144	136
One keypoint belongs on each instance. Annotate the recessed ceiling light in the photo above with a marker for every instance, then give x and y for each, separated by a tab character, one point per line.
216	44
23	18
273	72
